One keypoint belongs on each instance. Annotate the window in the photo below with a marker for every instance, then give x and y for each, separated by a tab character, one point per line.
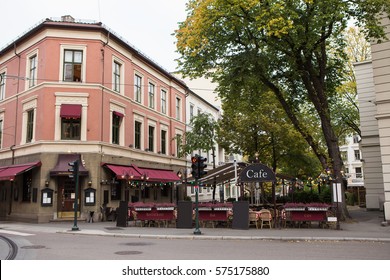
1	133
72	65
32	71
163	101
117	76
163	142
137	135
30	126
178	143
2	85
356	139
70	129
358	171
151	95
151	139
27	186
138	88
70	122
357	154
178	108
116	191
191	111
116	123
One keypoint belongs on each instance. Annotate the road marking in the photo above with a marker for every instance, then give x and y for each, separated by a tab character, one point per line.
15	232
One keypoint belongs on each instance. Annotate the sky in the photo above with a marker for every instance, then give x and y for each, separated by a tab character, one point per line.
146	24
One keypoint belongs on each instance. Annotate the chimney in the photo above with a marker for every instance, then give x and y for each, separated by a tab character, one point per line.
67	18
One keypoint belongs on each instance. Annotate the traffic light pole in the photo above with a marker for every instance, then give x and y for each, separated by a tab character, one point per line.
197	230
76	197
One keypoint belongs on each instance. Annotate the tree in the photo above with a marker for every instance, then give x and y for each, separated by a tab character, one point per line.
294	48
201	137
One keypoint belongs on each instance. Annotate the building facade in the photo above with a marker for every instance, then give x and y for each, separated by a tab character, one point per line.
373	84
72	90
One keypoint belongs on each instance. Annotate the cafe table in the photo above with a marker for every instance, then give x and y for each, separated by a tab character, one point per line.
154	213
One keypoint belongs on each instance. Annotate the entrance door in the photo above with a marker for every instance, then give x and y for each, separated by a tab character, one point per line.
66	197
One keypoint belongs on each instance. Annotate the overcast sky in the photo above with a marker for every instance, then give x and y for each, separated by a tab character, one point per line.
146	24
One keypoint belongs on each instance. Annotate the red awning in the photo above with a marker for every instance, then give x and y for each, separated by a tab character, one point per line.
62	166
159	175
124	171
118	114
70	111
11	171
132	172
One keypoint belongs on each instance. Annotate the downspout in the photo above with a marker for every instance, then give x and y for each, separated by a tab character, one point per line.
15	130
12	181
101	127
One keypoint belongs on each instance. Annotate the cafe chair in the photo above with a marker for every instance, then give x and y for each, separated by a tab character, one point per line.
253	219
134	213
265	218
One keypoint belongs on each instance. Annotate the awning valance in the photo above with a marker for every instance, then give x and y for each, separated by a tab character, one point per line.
159	175
133	172
124	171
72	111
62	166
11	171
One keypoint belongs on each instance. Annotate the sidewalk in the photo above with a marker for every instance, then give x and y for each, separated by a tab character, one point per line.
366	226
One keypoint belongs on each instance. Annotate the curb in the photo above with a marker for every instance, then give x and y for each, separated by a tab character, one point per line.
225	237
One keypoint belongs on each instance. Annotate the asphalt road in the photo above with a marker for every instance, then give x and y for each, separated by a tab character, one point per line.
56	246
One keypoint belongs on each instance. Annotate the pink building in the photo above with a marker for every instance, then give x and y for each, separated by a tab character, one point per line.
73	90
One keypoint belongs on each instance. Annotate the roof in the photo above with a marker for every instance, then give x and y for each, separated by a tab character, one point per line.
67	22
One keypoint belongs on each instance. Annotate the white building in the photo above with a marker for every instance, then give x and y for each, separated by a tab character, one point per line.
373	84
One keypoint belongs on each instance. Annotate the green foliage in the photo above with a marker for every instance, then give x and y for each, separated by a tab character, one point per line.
201	136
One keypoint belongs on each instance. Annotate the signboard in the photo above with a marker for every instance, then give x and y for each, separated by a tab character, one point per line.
257	173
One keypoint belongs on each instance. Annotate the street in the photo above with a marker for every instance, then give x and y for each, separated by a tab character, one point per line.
59	246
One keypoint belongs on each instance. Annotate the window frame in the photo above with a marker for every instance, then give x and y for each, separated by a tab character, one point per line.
138	79
116	76
164	104
151	95
30	125
163	141
2	84
137	134
178	108
151	137
83	49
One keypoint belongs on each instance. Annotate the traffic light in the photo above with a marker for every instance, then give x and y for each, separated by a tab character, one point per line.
74	169
201	166
195	167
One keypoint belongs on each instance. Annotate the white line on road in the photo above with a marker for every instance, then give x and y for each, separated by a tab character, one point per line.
15	232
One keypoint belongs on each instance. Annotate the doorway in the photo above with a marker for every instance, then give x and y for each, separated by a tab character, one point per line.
66	197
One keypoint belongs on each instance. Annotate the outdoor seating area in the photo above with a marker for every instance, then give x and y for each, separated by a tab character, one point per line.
213	215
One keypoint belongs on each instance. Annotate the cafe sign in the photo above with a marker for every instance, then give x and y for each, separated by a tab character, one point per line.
257	173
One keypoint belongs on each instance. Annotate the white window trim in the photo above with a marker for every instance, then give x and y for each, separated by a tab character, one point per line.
166	101
136	73
28	65
82	48
71	98
2	128
153	124
141	120
178	113
164	128
122	75
30	104
150	82
119	109
2	94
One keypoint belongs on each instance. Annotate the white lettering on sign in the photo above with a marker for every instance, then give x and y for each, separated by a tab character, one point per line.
256	174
